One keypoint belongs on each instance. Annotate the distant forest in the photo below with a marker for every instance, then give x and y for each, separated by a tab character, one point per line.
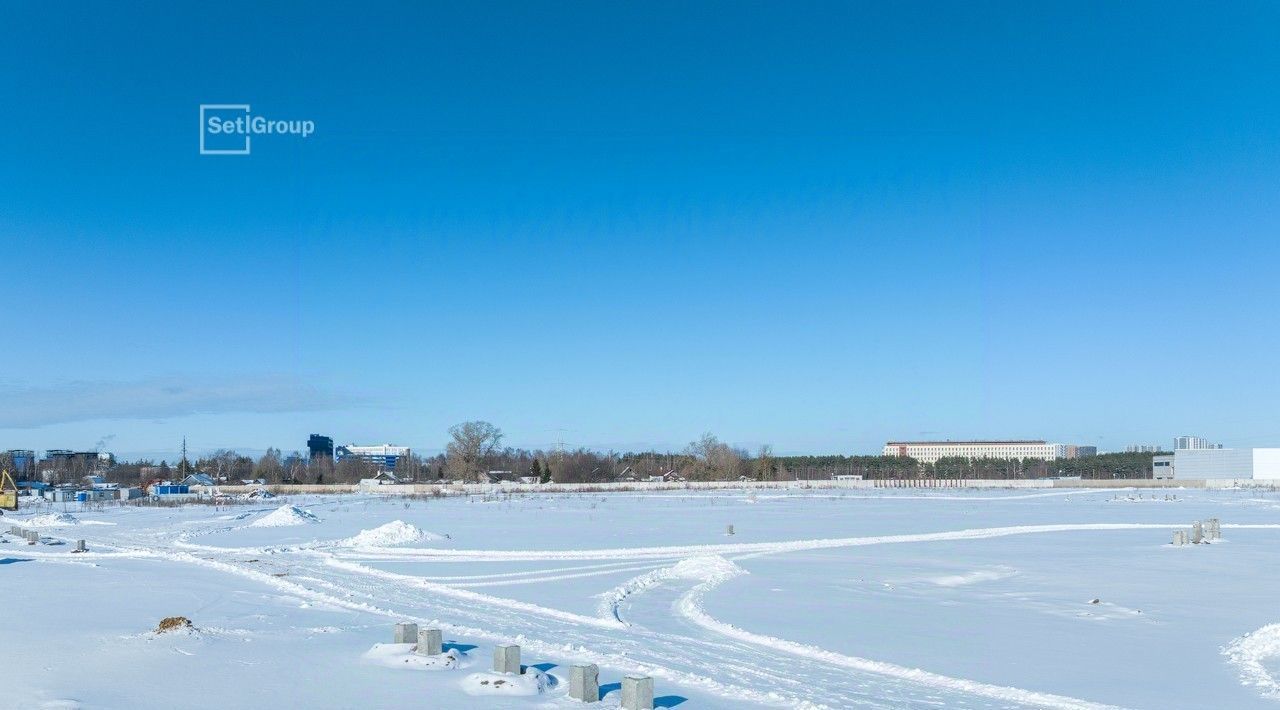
1102	466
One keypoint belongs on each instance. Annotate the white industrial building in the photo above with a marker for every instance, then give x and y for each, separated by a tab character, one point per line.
931	451
1208	464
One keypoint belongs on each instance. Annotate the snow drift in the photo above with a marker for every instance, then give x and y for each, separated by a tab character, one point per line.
396	532
531	682
1251	654
51	520
401	655
285	516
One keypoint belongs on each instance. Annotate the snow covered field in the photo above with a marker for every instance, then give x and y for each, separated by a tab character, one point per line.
879	598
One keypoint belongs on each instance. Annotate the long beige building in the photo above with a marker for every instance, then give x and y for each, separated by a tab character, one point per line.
931	451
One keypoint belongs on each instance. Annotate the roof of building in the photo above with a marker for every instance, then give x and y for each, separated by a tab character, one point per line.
967	443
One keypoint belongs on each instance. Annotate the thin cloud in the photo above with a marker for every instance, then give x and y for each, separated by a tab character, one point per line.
23	407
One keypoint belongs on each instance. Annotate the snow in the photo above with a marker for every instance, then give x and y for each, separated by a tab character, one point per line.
401	656
531	682
396	532
50	520
1250	654
974	577
285	516
879	599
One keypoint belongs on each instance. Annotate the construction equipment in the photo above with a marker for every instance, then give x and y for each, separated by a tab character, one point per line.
8	492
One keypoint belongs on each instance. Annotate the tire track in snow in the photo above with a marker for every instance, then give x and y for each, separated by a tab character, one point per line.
665	656
753	548
714	571
462	594
579	653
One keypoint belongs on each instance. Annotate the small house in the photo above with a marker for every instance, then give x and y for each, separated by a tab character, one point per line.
170	490
384	478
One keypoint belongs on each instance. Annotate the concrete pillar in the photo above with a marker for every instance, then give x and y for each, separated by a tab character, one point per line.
584	682
728	530
1197	533
80	546
637	693
1179	538
32	537
406	632
1213	529
430	642
506	658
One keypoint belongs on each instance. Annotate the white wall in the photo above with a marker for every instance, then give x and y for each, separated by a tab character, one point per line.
1206	464
1266	463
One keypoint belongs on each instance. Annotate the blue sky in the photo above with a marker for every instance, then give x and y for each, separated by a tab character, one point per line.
816	225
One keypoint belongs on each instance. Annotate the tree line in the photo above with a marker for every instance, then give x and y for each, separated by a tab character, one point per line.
474	452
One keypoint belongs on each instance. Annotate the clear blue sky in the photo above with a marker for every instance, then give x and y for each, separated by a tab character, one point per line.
813	225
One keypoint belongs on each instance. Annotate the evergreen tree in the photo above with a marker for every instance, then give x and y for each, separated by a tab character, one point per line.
543	475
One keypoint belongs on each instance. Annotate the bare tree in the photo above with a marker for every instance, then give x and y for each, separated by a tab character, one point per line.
320	469
470	445
713	460
765	467
270	467
351	469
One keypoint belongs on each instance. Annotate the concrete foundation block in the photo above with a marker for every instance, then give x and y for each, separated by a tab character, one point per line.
728	530
406	633
1197	533
80	546
637	693
506	658
584	682
1179	538
1213	529
430	642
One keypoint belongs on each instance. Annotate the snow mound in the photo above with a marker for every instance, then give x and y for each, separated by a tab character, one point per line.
974	577
52	520
1250	655
708	568
531	682
401	655
285	516
396	532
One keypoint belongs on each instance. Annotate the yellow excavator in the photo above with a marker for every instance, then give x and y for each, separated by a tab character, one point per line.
8	492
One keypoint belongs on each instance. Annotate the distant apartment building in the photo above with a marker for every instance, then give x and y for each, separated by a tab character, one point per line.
319	447
1141	449
1079	452
931	451
24	461
1193	442
383	456
78	460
